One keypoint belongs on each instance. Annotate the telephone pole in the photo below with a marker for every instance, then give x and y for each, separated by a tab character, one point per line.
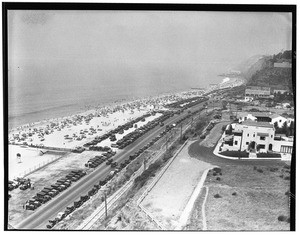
105	201
181	131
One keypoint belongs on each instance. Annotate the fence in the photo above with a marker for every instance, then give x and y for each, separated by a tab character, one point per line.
29	171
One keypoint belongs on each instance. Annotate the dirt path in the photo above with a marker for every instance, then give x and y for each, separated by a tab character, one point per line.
167	200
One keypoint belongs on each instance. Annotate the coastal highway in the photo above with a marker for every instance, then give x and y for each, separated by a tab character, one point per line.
39	218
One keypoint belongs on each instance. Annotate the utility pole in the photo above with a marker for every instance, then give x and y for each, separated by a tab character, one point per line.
144	162
181	131
105	199
167	140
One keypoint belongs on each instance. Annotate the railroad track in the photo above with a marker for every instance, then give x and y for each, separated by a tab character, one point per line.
100	211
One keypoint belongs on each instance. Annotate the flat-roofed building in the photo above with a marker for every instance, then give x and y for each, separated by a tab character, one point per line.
256	135
258	91
284	64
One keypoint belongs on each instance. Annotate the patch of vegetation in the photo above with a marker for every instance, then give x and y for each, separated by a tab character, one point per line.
282	218
273	169
235	153
217	196
234	194
287	167
217	169
218	178
269	154
141	180
260	170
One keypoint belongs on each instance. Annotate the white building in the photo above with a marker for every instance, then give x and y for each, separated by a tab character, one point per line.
279	119
248	99
256	137
284	64
258	91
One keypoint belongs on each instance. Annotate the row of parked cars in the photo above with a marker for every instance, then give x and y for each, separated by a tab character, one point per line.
131	137
79	202
50	192
98	160
187	103
110	134
21	183
117	168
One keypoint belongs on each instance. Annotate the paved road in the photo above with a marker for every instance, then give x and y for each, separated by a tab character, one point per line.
39	219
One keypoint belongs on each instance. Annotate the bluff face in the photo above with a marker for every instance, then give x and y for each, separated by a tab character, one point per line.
260	71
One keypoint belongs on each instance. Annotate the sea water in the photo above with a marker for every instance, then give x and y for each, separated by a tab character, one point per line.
35	93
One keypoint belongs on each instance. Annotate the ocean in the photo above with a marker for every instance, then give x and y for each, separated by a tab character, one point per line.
35	93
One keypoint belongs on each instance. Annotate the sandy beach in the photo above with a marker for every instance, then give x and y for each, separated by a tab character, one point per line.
74	131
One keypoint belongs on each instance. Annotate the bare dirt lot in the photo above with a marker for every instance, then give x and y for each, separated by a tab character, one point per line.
168	198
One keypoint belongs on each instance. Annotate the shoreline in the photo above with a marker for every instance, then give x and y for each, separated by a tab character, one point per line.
120	102
158	100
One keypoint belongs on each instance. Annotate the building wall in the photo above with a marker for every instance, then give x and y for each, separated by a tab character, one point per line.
280	120
258	91
250	135
282	91
283	65
282	146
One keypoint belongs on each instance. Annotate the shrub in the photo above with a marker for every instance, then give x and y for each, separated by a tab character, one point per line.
220	173
281	176
287	178
273	169
268	154
286	167
282	218
260	170
235	153
254	167
218	178
217	169
287	193
217	196
214	174
288	220
234	194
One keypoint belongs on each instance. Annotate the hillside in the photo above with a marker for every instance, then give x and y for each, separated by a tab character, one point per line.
252	65
265	74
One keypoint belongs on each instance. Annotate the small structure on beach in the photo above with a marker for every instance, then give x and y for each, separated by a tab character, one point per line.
19	157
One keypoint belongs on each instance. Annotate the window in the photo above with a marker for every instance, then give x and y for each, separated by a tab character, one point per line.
262	138
235	142
247	135
253	135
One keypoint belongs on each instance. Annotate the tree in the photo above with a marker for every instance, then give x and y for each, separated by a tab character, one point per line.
285	129
276	126
292	128
224	104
